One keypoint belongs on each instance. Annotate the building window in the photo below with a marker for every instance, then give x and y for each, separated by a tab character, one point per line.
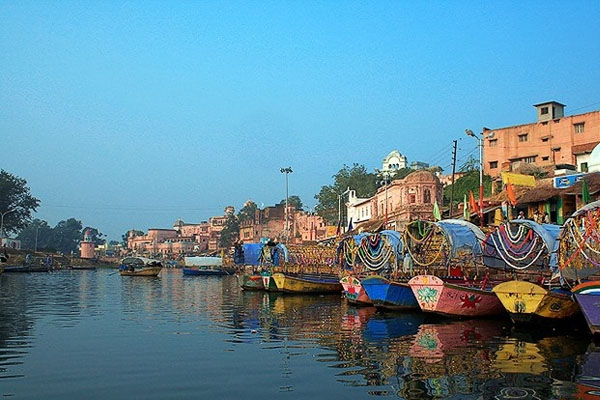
529	159
545	158
493	142
493	164
545	139
426	196
523	137
544	110
583	167
579	127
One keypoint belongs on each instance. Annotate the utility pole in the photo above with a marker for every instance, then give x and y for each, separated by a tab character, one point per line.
453	172
286	171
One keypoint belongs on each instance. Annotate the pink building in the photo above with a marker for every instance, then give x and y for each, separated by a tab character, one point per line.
87	246
401	201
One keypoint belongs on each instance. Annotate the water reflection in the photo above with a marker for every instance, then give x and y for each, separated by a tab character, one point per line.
284	340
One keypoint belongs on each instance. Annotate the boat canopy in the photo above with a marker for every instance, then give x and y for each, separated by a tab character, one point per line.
203	261
521	244
252	253
139	261
579	250
462	236
374	250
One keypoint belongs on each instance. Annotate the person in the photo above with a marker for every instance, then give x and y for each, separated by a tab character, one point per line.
521	215
407	263
546	219
28	259
537	217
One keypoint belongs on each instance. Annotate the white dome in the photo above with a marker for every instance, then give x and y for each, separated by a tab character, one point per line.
594	160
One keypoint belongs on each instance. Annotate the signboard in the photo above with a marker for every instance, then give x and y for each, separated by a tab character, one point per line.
518	179
562	182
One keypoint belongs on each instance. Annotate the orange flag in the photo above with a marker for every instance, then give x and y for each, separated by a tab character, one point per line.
510	191
472	203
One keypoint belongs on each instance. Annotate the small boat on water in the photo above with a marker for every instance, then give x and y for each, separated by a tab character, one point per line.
389	294
354	292
307	283
140	266
250	281
204	266
463	299
529	302
579	260
26	268
450	252
527	250
83	267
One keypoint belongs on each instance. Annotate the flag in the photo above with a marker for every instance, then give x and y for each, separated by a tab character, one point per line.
465	208
472	203
350	227
436	211
585	192
510	192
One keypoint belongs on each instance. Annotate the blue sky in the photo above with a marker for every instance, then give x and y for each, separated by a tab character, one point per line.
133	114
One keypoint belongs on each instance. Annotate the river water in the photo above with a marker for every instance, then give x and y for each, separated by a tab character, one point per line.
97	335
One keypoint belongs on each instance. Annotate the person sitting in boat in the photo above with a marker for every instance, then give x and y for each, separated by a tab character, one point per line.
28	259
4	257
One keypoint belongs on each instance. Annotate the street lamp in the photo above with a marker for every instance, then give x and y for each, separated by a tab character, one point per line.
479	139
286	171
2	224
339	196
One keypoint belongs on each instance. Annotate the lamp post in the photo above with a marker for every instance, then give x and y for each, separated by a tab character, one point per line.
480	144
2	224
286	171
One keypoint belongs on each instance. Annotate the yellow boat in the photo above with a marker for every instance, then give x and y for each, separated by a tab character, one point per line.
525	301
307	283
139	266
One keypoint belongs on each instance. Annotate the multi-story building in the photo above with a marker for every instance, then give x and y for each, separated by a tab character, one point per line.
552	140
401	201
393	162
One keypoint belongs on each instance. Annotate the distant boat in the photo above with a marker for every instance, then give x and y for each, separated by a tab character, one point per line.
140	266
26	268
207	266
307	283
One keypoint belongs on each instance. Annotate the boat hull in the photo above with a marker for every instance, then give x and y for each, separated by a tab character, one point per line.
25	268
152	271
203	272
304	284
435	295
268	282
587	296
354	292
83	267
528	302
251	282
388	294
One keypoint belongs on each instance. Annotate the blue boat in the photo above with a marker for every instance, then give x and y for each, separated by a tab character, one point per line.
389	294
205	266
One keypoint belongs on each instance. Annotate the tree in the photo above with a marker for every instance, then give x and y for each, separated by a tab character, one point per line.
293	200
16	202
230	232
464	184
402	173
356	178
470	165
247	212
66	235
38	230
125	236
96	235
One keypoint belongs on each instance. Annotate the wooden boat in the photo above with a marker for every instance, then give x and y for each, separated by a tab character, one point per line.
250	281
26	268
268	282
450	299
528	302
145	271
306	283
139	266
587	295
388	294
369	252
354	292
204	266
